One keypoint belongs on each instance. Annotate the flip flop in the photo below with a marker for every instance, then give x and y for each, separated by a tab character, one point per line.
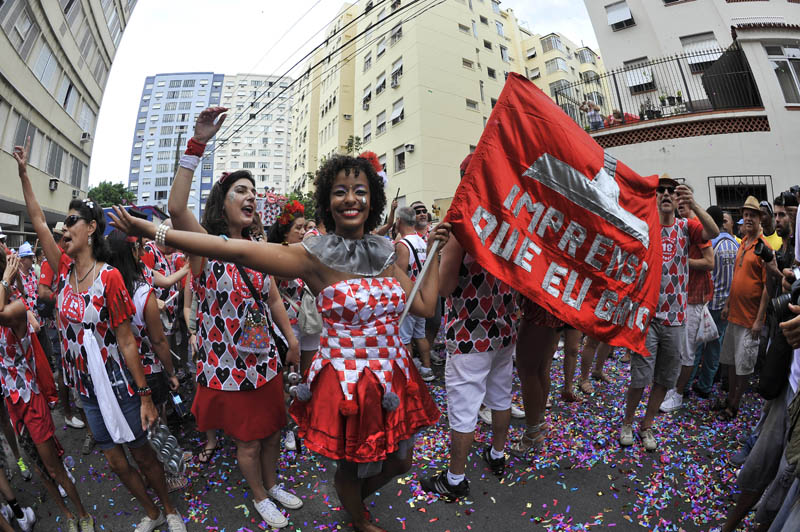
205	456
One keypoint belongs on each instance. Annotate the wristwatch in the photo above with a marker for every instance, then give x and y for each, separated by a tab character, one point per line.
144	392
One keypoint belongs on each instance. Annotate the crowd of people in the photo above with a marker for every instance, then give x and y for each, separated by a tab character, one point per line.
113	327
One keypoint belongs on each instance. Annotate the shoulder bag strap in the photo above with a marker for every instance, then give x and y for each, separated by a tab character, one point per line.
414	251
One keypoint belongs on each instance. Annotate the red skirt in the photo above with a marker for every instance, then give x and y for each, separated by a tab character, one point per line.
372	432
537	315
247	416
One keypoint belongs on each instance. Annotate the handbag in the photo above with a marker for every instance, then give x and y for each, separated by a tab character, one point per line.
259	331
707	332
309	320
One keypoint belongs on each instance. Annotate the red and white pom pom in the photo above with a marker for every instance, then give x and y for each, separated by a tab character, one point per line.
372	157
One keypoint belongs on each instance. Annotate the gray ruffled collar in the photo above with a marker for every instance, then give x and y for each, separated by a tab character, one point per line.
368	256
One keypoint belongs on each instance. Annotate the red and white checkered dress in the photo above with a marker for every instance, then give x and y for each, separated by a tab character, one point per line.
360	360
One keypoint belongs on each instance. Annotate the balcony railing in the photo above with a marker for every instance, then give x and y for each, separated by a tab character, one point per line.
694	82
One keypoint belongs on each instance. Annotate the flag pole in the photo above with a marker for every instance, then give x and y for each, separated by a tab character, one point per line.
418	283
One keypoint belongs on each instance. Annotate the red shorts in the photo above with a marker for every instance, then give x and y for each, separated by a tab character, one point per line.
33	416
247	416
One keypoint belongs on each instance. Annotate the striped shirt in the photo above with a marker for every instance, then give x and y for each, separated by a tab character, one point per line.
725	250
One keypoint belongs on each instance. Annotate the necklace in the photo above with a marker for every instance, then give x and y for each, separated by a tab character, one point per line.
82	279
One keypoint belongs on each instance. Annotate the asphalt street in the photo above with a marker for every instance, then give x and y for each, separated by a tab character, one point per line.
581	479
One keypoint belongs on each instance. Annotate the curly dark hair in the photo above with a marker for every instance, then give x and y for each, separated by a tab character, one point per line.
324	183
214	220
90	210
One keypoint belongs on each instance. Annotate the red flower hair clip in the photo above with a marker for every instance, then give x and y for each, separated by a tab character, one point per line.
291	211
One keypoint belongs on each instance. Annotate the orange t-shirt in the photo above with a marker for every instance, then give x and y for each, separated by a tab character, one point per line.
749	279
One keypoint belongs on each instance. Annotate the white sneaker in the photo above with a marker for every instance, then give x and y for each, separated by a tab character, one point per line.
672	402
485	415
287	500
289	442
648	440
270	513
626	436
175	523
437	359
517	412
28	519
426	374
75	422
417	362
148	525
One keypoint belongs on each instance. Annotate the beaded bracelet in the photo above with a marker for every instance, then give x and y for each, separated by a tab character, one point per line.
161	235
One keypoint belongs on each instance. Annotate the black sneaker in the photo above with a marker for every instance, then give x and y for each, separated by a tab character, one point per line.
438	484
497	465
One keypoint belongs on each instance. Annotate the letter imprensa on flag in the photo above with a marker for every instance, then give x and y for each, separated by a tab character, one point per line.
545	209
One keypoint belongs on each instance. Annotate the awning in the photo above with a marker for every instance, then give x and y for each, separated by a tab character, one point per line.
639	76
617	13
381	46
380	81
368	92
397	65
397	110
367	128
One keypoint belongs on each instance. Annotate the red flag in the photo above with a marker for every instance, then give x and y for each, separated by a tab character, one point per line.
546	210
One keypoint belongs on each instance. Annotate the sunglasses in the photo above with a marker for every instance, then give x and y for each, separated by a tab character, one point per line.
72	219
661	189
421	210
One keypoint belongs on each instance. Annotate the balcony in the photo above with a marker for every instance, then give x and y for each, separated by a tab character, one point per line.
669	96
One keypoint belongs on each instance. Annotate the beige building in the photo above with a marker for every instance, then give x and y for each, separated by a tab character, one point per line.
710	90
56	59
417	88
262	145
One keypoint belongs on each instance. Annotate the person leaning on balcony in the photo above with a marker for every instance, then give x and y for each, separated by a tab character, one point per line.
615	118
593	114
745	311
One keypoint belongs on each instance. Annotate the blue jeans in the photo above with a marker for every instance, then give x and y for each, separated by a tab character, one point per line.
709	355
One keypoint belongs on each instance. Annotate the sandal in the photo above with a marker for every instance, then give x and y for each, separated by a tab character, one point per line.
532	440
586	387
729	414
601	377
175	483
570	397
205	456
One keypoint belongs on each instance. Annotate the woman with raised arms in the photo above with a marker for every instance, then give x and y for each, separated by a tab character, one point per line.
363	399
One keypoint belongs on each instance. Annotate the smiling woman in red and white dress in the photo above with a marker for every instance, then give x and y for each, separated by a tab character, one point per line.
364	415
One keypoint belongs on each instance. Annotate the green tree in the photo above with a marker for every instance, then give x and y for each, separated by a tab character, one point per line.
309	204
354	145
108	194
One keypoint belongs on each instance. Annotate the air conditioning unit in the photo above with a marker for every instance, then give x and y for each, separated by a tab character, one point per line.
348	117
395	83
409	148
365	106
76	194
85	137
53	186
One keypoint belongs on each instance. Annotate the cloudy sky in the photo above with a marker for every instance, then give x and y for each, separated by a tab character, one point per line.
243	36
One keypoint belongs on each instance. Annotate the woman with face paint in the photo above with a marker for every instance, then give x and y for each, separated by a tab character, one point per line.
239	385
363	399
100	359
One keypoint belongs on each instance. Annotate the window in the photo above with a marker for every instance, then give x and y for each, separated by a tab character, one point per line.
166	130
168	118
45	67
164	143
463	29
552	42
396	34
639	79
785	61
55	155
398	113
556	64
504	53
164	155
586	56
264	165
381	48
619	16
162	181
484	20
162	168
466	63
367	133
380	123
397	71
491	72
161	194
496	6
380	83
382	160
487	45
533	73
174	84
472	104
187	94
171	95
249	165
22	33
531	53
184	106
399	159
367	61
701	51
190	82
499	26
494	102
558	86
595	97
590	76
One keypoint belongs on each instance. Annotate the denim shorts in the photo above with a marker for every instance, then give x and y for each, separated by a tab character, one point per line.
131	408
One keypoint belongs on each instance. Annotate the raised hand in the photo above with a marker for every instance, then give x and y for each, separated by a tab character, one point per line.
21	156
208	123
441	233
131	225
12	267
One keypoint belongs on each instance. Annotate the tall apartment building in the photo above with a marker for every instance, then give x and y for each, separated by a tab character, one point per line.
165	120
262	145
423	85
711	88
56	59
